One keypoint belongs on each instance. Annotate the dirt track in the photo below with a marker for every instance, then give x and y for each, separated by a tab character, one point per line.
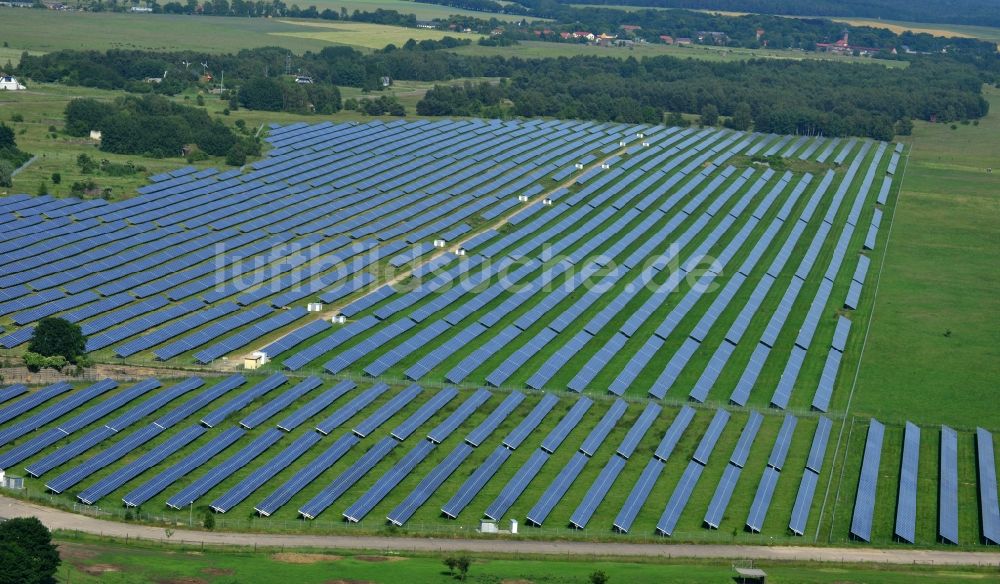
56	519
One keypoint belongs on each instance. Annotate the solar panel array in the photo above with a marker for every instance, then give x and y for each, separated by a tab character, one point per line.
331	201
187	462
204	265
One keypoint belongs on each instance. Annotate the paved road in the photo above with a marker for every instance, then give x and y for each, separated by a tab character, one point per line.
56	519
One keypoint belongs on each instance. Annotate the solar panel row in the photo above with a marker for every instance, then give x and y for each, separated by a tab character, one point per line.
906	501
948	487
864	504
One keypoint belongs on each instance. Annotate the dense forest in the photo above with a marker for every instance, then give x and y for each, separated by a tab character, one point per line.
782	96
152	125
978	12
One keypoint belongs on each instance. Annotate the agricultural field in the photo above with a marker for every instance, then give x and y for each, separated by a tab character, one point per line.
986	33
363	34
421	10
540	50
46	31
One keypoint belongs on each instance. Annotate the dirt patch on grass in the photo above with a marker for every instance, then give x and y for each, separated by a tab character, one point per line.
99	569
209	571
379	558
295	558
182	580
69	552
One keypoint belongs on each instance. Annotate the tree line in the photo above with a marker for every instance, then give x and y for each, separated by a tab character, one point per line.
784	96
779	96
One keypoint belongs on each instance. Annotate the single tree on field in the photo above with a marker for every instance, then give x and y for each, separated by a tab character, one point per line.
27	554
58	337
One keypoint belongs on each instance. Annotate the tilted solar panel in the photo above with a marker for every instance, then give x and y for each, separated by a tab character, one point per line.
864	504
679	498
496	417
476	481
711	436
948	487
567	424
516	485
783	442
597	492
989	509
906	501
519	434
674	432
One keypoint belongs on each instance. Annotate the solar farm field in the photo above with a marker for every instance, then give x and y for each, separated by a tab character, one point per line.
600	330
301	453
574	256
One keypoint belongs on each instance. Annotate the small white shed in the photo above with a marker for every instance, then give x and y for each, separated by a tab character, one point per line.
10	83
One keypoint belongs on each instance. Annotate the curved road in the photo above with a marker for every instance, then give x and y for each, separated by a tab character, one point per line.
56	519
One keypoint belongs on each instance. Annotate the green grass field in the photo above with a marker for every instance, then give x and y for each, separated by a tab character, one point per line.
46	31
540	50
362	34
419	9
932	355
90	560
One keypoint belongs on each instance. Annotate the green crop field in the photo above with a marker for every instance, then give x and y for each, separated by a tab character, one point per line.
419	9
87	560
541	49
46	31
363	34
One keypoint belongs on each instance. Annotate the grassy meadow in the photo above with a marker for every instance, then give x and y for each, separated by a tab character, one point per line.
46	31
362	34
541	49
92	560
932	354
